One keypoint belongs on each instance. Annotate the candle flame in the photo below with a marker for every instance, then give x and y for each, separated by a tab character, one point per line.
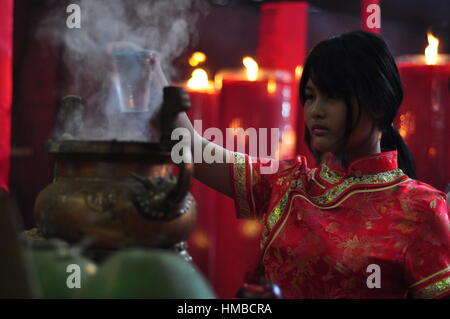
218	80
198	80
236	123
431	51
298	71
251	68
197	58
271	86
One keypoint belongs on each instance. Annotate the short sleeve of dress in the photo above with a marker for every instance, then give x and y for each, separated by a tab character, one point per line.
255	182
428	257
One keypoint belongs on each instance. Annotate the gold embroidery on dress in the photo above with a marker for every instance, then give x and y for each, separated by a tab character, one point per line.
433	290
312	173
332	227
328	175
309	199
282	181
298	182
240	184
373	179
330	195
252	183
433	204
430	277
277	211
278	230
274	217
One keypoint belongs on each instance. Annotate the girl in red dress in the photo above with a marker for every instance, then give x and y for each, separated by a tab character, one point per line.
358	225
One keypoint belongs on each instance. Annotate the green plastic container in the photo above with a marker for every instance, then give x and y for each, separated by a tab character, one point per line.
60	271
138	273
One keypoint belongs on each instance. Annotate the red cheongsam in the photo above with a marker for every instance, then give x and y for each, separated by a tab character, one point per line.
365	231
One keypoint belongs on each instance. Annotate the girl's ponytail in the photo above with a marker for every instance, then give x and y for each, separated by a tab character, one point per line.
392	140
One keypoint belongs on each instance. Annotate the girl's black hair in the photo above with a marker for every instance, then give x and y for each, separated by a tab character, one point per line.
359	66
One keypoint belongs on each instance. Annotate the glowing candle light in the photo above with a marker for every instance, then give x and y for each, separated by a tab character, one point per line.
197	58
251	68
204	107
257	98
199	81
250	98
424	117
431	51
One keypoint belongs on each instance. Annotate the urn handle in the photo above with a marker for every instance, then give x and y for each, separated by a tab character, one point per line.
163	200
175	101
184	183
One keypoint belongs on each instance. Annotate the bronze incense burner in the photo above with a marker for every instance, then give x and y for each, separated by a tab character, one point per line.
119	194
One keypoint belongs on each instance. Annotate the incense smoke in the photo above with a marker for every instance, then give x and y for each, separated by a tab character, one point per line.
164	26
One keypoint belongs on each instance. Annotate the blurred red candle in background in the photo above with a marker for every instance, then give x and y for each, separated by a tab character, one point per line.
255	98
424	117
204	107
249	98
282	45
6	83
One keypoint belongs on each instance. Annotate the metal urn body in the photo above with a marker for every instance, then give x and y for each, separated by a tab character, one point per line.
120	194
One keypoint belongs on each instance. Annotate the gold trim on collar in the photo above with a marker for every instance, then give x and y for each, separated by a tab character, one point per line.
329	175
308	199
333	193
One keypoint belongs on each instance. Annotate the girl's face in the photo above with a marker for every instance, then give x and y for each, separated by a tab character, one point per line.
325	119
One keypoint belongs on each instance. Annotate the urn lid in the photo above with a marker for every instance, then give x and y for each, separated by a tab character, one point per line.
109	148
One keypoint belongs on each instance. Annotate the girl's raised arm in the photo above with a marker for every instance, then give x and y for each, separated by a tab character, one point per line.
214	175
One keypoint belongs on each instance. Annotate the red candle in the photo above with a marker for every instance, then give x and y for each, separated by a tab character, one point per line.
282	46
201	243
258	100
262	102
424	117
283	35
204	99
6	82
204	107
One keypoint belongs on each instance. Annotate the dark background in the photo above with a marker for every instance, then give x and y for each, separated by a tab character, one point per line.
227	33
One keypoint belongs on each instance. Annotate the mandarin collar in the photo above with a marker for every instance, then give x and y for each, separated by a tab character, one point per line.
366	165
